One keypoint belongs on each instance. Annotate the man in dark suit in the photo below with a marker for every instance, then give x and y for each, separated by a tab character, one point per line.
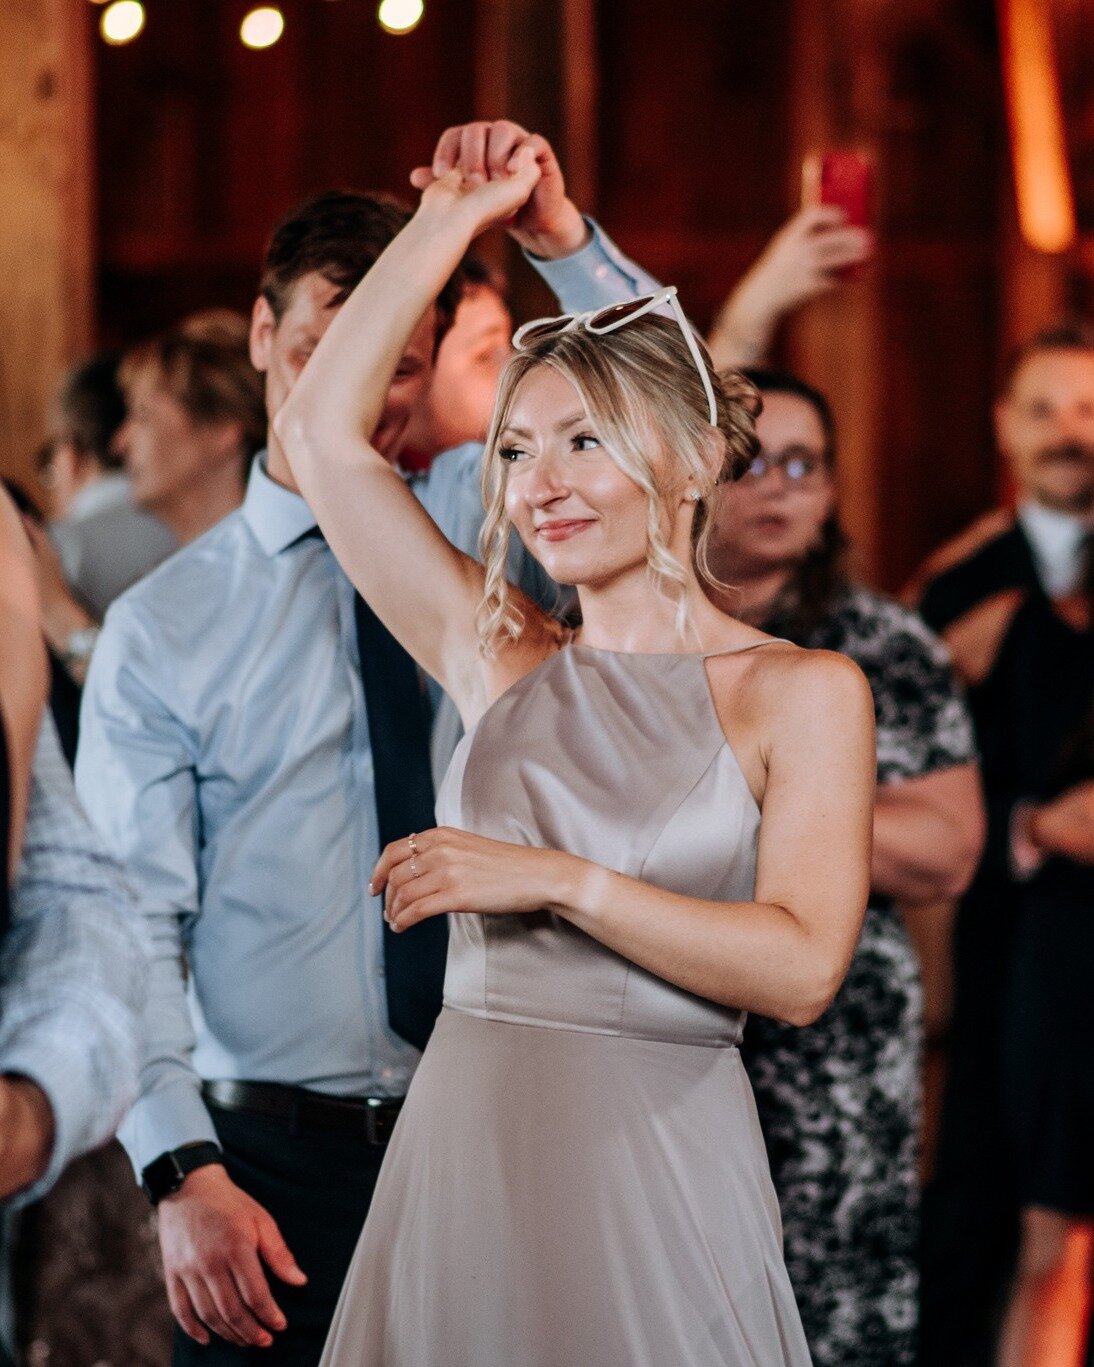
1009	598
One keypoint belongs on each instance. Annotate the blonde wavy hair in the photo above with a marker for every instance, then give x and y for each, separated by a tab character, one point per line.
643	393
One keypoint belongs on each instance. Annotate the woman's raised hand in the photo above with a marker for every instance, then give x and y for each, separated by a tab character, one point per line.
548	224
489	201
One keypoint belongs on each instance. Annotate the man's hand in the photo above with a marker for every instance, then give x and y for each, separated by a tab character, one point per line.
26	1134
549	225
1065	826
215	1239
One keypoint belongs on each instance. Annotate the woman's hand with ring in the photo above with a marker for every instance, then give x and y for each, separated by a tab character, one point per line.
447	870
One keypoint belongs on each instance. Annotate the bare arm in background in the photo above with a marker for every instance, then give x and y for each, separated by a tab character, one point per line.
24	672
801	262
928	835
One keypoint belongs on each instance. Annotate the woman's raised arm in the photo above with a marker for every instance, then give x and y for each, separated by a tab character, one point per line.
423	589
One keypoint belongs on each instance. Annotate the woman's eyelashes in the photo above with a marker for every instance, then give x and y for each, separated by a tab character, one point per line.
581	441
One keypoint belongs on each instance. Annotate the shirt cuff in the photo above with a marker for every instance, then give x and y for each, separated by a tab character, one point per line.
594	276
166	1119
1026	857
70	1093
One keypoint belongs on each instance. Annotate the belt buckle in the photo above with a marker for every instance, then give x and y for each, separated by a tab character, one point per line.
378	1122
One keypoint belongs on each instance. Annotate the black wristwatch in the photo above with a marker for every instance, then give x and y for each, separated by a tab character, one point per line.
166	1174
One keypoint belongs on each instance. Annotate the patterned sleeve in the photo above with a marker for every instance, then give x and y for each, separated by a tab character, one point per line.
923	724
73	969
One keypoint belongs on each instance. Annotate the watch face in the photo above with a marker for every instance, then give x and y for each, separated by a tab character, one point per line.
162	1177
166	1174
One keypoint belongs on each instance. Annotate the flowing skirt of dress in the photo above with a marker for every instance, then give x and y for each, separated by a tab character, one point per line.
565	1198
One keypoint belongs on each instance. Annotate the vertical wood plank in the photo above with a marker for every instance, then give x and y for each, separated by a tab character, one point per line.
536	63
45	212
836	344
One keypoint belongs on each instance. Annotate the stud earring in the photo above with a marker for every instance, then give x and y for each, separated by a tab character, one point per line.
694	495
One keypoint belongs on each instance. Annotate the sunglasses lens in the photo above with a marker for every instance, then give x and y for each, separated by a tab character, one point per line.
616	314
537	332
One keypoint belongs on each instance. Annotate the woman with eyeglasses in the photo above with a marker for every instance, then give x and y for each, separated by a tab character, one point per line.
577	1175
839	1101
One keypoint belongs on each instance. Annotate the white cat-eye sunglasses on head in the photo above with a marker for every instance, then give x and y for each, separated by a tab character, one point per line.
608	319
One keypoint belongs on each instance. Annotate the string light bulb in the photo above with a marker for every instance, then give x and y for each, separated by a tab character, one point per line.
121	21
400	16
262	27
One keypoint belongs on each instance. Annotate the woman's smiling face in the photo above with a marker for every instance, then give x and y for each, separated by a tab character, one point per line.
576	511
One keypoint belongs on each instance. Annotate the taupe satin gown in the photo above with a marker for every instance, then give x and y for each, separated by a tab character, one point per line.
578	1177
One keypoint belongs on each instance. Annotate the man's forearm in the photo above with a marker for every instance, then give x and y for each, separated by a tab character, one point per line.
594	275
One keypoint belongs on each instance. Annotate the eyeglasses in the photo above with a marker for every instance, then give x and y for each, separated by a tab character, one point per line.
605	320
800	467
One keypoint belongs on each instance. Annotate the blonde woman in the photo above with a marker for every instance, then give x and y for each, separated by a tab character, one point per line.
578	1176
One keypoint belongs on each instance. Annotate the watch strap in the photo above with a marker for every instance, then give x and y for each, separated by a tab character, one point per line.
166	1174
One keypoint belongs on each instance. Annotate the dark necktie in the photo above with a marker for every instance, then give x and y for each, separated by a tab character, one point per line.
399	726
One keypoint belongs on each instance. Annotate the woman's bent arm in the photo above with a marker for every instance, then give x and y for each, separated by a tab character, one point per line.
784	954
424	590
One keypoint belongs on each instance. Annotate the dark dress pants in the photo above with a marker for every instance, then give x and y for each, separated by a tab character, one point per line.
969	1224
317	1187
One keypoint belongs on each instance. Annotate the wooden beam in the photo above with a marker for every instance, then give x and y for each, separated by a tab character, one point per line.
45	212
837	344
536	62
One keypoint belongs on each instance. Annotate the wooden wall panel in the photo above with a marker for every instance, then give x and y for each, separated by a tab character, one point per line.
908	353
693	136
45	212
205	143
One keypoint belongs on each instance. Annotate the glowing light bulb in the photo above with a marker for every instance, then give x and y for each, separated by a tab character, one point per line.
400	16
122	21
262	27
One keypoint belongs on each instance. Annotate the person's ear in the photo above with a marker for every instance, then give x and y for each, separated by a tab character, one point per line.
227	439
263	327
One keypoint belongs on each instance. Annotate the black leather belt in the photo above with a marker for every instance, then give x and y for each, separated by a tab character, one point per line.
370	1118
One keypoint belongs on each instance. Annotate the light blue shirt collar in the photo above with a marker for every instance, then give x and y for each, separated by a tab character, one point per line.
276	515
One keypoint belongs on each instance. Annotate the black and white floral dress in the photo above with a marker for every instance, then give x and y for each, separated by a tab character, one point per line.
839	1101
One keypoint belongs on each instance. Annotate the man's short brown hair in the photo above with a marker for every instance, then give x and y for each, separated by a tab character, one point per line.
339	235
1068	335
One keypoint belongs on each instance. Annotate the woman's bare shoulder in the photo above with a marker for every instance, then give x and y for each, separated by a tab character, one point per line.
782	682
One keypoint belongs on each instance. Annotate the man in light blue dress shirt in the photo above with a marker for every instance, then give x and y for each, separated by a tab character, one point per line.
225	753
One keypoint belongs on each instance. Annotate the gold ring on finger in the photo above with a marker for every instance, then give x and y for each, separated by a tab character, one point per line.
414	868
412	841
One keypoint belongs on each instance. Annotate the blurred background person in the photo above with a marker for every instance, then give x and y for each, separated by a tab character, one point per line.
839	1101
1017	1127
197	416
72	955
195	419
459	399
105	543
